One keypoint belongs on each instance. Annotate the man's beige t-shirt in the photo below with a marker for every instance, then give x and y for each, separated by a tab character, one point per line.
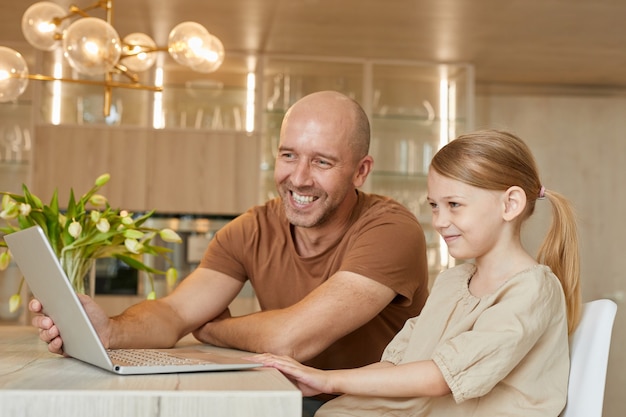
384	242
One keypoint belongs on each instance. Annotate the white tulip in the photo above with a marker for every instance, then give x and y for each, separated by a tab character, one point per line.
75	229
103	225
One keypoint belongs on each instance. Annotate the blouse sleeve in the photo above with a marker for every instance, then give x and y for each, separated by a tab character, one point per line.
394	351
473	362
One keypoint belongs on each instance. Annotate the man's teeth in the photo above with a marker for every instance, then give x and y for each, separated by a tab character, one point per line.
302	199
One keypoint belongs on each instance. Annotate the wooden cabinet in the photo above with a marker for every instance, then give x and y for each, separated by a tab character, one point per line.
173	171
72	157
201	172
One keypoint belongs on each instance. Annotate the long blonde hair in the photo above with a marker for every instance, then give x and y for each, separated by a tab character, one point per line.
497	160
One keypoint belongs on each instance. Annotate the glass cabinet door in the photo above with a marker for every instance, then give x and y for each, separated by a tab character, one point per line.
415	109
15	145
189	100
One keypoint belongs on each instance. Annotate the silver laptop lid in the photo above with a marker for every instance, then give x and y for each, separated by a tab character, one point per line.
43	272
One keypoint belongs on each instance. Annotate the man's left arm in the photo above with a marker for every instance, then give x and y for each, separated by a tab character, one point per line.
342	304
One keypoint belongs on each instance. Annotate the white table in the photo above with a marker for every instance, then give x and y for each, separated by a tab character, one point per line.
34	382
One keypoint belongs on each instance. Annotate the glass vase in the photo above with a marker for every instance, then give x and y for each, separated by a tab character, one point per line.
80	271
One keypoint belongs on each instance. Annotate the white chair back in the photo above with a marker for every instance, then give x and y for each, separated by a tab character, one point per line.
589	355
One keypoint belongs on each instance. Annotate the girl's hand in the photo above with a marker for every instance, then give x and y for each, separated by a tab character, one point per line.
309	380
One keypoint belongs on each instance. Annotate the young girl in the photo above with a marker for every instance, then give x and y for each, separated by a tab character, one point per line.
492	339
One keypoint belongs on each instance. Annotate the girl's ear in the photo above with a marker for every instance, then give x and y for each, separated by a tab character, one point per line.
514	202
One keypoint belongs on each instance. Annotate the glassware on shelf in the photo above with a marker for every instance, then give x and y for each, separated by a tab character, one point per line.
15	133
16	143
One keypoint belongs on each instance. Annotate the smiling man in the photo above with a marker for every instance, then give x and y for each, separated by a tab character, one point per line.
336	271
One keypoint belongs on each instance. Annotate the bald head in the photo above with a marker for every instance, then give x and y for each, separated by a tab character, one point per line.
333	109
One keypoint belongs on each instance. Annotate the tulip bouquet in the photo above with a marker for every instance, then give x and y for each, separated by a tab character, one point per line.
89	229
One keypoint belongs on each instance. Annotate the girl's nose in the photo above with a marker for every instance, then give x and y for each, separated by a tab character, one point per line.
440	220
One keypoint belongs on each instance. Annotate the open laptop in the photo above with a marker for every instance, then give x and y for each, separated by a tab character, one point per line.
49	283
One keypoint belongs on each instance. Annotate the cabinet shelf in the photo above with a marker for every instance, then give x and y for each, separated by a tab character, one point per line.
8	165
399	176
399	117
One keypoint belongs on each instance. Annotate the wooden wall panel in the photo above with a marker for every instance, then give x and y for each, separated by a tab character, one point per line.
67	157
197	172
171	171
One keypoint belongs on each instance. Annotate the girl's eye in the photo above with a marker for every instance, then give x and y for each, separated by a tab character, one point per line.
433	205
453	204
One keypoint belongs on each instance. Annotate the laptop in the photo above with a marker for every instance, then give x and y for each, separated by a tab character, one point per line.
48	282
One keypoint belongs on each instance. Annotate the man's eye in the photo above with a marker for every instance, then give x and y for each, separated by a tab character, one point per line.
322	163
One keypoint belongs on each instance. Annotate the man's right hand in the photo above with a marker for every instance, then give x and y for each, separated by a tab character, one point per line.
201	297
49	333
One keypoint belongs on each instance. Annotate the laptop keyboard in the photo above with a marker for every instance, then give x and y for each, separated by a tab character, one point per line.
148	357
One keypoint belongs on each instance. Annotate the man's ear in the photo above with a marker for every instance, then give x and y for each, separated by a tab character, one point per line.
363	170
514	203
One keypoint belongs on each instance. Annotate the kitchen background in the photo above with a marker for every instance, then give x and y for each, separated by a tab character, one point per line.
552	71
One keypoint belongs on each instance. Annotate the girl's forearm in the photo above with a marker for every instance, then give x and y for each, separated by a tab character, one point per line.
416	379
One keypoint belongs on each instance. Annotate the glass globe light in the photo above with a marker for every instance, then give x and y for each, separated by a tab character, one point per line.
38	24
92	46
134	56
213	54
13	73
186	41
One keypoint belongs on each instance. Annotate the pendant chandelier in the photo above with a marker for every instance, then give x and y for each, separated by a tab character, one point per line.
93	48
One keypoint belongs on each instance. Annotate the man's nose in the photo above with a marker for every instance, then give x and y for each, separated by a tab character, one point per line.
302	174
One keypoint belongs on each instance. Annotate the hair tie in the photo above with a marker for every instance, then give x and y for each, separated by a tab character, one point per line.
542	193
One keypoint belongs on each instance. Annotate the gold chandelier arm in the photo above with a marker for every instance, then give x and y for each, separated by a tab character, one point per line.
57	20
83	12
145	49
106	5
75	10
108	95
101	4
105	83
121	69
